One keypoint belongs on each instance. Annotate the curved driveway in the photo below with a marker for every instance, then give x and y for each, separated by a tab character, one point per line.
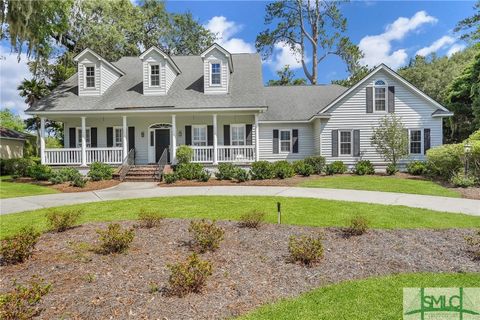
147	190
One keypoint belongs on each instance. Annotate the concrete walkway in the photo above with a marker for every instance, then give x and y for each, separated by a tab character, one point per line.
129	190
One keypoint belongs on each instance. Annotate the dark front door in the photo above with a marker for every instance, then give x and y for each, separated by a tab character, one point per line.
162	142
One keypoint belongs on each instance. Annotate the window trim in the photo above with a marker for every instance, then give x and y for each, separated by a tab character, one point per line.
340	154
211	73
78	132
114	136
384	86
410	141
204	126
150	75
85	66
280	140
238	125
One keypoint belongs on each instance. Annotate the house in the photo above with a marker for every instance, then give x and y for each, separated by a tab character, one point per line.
217	103
12	143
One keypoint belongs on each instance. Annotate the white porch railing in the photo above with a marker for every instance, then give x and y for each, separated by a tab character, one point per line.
105	155
236	153
73	156
203	154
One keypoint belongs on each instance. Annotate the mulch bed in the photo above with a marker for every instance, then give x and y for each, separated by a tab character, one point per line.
250	268
66	187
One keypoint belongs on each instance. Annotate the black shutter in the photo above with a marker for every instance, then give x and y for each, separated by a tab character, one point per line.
226	135
109	137
188	135
356	143
209	135
248	129
93	137
334	143
391	99
275	141
131	138
295	140
369	99
72	137
426	140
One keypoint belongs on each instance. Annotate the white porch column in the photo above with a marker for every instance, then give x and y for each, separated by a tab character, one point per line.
215	157
84	143
42	140
257	139
124	137
174	140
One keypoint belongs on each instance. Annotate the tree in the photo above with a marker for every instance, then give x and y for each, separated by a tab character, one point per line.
286	78
10	120
390	139
357	75
470	25
312	29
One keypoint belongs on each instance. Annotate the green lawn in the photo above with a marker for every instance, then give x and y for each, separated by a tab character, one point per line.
373	298
17	189
382	183
298	211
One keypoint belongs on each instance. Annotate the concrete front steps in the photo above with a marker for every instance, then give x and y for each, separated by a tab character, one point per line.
142	173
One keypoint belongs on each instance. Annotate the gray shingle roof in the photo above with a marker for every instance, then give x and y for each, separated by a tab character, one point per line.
6	133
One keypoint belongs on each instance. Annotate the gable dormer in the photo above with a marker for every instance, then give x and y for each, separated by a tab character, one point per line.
95	74
217	67
159	71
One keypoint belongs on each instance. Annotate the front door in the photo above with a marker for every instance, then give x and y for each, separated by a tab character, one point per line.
162	142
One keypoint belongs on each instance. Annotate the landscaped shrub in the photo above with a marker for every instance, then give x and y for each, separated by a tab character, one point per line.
363	167
226	171
391	169
206	235
204	176
78	182
184	154
358	226
40	172
262	170
189	171
461	180
317	163
252	219
170	177
100	171
149	218
417	168
302	168
305	249
283	169
336	167
64	175
474	244
444	161
189	276
241	175
60	221
21	303
18	167
19	247
114	239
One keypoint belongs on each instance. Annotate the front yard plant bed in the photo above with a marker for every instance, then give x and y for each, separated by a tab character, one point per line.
250	268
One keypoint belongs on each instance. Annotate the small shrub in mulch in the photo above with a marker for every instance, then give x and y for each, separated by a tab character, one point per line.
303	168
363	167
459	179
206	235
283	169
19	247
226	171
262	170
100	171
417	168
21	303
204	176
60	221
114	239
79	182
336	167
189	276
40	172
474	244
305	249
358	226
391	169
252	219
317	163
170	178
149	219
189	171
241	175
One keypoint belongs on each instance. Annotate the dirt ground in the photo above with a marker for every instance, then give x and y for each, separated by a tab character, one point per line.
249	269
66	187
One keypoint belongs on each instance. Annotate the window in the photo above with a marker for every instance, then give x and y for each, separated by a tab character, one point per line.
90	77
238	134
345	142
154	75
117	136
216	74
285	140
199	135
87	137
415	141
380	98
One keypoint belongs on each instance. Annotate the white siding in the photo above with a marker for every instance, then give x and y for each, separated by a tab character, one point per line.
350	113
88	59
215	56
316	136
107	77
170	75
167	75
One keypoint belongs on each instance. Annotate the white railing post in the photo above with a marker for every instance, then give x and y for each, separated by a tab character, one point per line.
215	151
84	143
174	140
124	137
257	139
42	140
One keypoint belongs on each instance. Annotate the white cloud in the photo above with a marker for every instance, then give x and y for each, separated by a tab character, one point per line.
378	48
224	31
12	73
436	45
455	48
283	55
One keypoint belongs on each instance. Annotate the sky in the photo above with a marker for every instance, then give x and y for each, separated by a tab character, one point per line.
390	32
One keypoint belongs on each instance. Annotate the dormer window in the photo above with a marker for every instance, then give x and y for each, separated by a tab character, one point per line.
380	96
90	76
215	74
155	75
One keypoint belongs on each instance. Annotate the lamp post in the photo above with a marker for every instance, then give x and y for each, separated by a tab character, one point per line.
467	147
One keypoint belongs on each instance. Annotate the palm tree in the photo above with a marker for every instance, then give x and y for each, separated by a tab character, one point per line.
33	90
